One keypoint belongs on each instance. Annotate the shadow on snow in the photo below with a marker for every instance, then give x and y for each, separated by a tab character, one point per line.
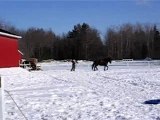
153	102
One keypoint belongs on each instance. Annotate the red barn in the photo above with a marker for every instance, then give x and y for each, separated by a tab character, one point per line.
9	53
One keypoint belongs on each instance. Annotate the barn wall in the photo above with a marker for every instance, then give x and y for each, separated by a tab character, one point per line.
9	55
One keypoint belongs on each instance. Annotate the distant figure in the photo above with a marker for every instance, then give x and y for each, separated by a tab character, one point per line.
33	65
73	65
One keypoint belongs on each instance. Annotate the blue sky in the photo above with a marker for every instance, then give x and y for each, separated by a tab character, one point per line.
61	16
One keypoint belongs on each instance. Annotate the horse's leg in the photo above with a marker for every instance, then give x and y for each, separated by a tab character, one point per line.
93	66
107	67
96	67
104	68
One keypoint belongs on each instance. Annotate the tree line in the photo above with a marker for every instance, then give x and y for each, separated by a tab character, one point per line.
84	42
133	41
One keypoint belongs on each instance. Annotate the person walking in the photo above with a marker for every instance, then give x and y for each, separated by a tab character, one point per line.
73	65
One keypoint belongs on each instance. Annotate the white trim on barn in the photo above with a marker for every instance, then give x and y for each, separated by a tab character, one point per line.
10	35
20	52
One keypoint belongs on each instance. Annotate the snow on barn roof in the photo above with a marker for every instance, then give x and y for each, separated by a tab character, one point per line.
8	34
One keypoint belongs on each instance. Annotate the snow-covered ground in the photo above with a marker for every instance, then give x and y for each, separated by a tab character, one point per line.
122	93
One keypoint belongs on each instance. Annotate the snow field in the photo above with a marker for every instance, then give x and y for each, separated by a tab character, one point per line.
56	93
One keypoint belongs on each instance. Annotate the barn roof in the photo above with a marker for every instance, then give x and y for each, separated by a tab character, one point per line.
8	34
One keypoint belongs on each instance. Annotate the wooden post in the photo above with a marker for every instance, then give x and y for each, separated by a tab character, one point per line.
1	99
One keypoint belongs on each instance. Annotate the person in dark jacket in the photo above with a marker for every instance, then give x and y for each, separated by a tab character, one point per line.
73	65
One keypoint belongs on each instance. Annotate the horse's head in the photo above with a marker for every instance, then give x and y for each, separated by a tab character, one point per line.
108	59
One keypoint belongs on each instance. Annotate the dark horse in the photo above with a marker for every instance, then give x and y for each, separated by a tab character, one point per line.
101	62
